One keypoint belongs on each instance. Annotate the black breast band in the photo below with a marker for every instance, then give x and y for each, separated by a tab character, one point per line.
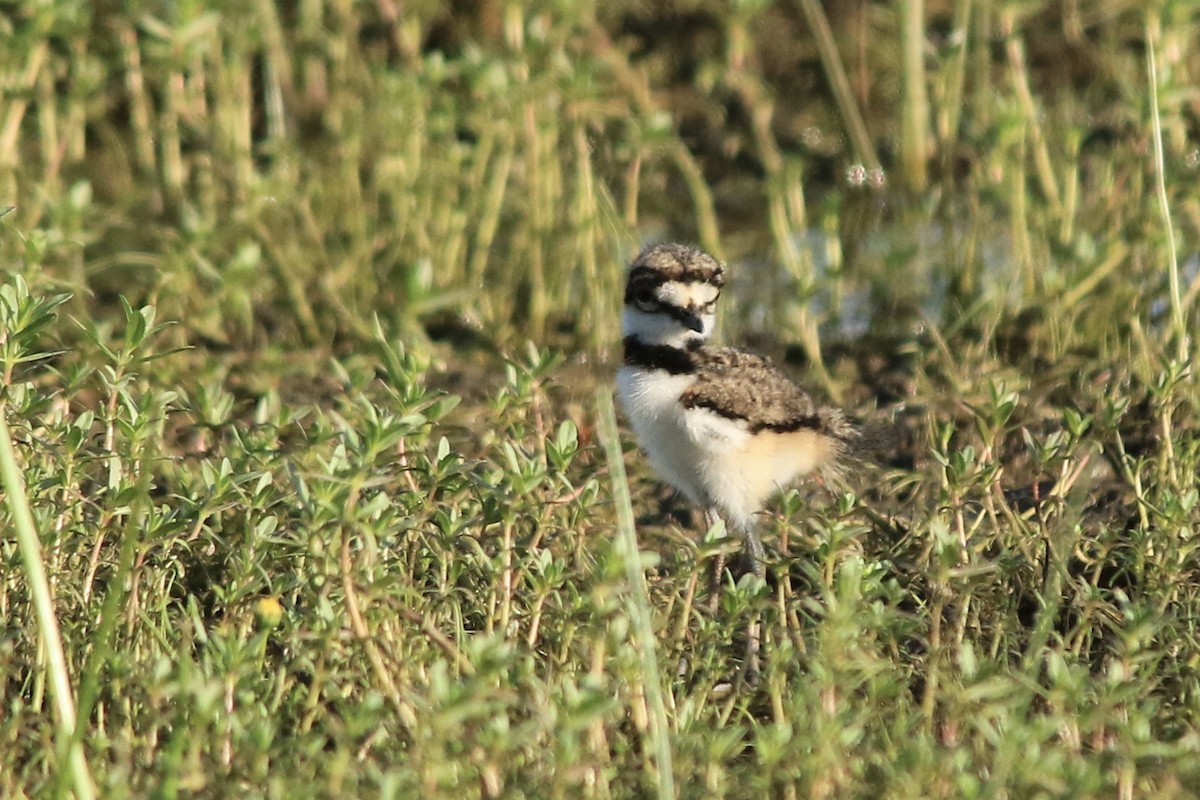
674	360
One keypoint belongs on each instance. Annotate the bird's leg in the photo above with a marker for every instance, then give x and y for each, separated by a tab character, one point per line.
754	551
757	554
711	518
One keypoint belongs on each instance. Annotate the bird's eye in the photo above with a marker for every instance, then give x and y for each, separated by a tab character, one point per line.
645	298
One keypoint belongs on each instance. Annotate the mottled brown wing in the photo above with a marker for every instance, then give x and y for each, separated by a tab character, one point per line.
742	385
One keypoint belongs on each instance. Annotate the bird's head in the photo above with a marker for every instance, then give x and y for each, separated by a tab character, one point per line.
671	295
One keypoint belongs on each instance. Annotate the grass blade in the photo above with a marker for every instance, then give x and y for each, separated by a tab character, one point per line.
639	596
1178	320
839	84
31	554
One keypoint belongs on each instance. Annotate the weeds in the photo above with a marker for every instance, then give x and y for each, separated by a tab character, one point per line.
303	528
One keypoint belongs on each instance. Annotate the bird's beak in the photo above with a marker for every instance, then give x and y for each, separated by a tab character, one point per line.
692	322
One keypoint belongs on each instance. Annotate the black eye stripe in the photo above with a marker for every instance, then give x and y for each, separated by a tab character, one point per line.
640	287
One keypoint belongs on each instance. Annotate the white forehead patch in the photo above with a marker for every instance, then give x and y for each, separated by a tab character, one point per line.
684	294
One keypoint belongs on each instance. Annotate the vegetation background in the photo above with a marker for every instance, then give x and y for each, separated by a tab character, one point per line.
306	330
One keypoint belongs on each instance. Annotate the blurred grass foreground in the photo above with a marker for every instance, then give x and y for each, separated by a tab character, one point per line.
306	486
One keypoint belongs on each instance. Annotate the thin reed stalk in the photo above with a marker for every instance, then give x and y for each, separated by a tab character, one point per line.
1179	328
43	605
1037	136
914	147
843	95
639	597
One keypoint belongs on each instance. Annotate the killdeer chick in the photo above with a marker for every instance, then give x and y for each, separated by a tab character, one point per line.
724	427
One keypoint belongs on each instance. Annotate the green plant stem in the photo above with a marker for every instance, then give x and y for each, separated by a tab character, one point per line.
1178	319
635	84
43	602
950	110
110	609
639	598
1037	135
840	84
914	140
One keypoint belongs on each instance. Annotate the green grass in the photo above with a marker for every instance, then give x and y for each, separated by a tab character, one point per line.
305	312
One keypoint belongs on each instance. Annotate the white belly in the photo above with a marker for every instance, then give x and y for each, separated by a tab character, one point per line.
687	448
650	400
713	460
